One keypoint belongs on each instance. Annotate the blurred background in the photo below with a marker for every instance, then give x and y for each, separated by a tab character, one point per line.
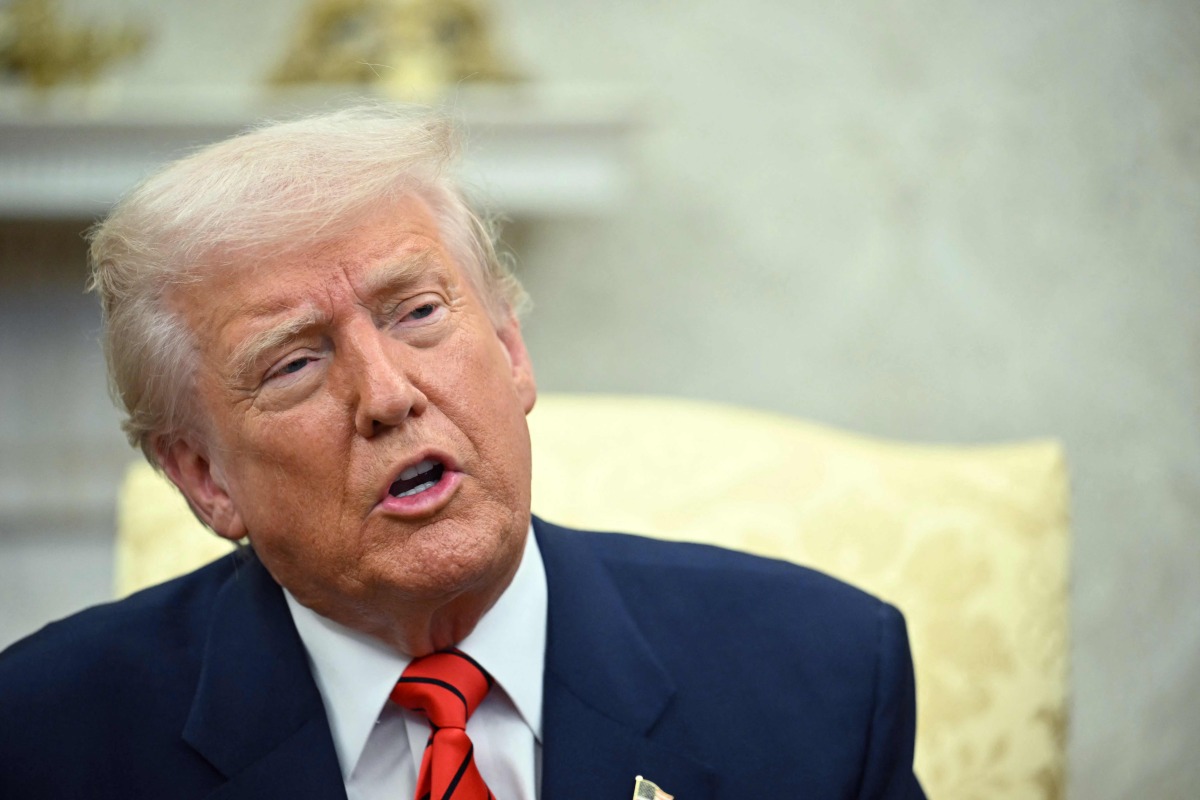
934	221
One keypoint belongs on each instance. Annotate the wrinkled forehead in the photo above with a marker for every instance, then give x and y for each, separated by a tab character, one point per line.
405	230
393	246
239	315
293	234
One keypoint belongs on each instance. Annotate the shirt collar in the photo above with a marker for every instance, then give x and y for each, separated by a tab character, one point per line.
355	672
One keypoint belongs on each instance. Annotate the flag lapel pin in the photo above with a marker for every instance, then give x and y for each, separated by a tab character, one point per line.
647	790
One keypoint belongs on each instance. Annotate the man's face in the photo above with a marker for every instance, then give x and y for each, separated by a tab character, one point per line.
366	428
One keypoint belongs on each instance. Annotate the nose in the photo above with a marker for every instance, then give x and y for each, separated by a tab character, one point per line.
385	395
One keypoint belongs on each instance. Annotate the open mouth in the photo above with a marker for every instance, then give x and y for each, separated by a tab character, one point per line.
417	478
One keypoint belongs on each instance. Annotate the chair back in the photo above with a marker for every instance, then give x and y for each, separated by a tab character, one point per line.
971	543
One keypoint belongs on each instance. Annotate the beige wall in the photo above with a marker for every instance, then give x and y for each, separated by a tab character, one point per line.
932	220
945	220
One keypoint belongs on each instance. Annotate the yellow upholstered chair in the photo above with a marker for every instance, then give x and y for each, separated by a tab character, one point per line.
971	543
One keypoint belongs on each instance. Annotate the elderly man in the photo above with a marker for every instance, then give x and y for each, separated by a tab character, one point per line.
313	338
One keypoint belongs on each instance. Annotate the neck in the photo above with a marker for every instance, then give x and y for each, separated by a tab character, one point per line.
418	626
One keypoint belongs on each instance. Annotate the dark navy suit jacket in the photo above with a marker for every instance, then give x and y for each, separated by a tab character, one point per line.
714	674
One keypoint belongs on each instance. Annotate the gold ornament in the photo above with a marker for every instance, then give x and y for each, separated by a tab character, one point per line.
413	48
35	45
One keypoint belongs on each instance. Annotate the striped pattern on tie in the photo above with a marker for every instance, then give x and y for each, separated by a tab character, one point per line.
446	687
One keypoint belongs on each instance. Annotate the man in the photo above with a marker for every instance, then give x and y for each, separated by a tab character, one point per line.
313	338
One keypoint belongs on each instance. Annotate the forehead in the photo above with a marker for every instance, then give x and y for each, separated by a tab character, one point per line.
387	252
405	228
402	235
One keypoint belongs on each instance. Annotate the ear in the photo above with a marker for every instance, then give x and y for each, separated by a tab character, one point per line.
202	483
518	359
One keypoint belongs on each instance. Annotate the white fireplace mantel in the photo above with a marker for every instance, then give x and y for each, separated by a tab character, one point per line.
531	152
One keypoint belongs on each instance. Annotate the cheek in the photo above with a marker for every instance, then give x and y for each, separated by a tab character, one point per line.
483	369
284	464
489	409
297	438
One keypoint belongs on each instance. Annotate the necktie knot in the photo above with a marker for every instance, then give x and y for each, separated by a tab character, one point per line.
446	687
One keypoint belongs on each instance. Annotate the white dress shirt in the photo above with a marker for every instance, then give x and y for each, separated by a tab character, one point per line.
379	745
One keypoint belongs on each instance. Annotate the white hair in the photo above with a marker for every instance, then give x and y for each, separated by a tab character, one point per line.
279	188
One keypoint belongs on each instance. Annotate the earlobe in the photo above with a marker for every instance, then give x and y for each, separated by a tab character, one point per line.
201	483
519	363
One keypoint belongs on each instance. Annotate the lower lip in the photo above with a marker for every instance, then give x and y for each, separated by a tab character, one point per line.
423	504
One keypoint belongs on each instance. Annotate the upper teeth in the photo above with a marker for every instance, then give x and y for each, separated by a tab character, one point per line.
417	469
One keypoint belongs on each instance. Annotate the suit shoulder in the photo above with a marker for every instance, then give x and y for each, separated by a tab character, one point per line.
126	640
686	595
97	701
732	572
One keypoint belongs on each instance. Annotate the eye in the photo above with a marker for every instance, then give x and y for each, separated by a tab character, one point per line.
419	311
419	318
290	367
422	311
295	365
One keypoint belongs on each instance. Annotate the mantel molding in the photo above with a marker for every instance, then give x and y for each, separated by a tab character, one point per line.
531	152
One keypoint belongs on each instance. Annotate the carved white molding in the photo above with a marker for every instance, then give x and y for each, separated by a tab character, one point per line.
532	152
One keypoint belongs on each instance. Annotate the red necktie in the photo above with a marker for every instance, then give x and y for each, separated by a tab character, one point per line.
447	687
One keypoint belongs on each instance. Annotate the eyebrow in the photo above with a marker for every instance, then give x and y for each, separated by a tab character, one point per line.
389	278
400	274
251	349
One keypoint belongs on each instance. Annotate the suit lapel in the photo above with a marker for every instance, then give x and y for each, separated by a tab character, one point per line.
257	715
604	687
258	718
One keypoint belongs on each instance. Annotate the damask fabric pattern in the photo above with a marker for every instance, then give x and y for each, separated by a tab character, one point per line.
971	543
